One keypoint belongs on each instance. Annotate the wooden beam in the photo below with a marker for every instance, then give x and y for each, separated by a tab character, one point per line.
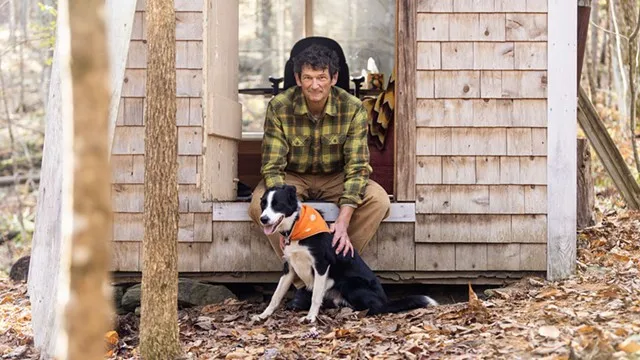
405	110
607	151
386	277
561	139
238	211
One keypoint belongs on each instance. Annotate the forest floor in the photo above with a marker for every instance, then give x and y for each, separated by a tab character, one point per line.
595	314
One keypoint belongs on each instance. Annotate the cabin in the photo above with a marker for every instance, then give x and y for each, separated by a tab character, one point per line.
479	160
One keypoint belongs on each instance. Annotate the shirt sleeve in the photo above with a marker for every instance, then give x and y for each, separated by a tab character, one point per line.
274	150
356	153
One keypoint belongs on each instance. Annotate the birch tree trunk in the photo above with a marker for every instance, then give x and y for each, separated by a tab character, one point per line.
87	218
48	275
159	314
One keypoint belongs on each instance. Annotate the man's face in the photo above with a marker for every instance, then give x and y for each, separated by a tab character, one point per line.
315	84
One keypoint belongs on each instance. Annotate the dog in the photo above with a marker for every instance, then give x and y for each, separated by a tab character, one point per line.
338	280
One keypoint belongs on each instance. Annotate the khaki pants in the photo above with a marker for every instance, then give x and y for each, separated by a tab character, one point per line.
364	221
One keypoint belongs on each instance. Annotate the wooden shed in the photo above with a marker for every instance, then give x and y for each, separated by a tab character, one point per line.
484	151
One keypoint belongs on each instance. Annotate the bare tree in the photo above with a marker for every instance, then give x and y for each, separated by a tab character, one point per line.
87	213
632	54
159	317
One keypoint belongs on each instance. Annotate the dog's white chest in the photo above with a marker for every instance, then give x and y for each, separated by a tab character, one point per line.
301	260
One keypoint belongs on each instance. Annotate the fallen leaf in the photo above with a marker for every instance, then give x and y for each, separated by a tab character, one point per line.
231	317
340	333
605	316
630	345
535	282
111	337
204	322
238	355
549	331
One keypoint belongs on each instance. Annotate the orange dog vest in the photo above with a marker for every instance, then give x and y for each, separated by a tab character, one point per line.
309	223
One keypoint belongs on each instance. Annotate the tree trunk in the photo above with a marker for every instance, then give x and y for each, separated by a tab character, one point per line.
45	269
159	317
87	219
586	196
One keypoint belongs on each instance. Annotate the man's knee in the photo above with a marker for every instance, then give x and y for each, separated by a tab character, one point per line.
254	206
378	198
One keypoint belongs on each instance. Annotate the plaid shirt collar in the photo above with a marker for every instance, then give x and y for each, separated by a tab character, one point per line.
300	105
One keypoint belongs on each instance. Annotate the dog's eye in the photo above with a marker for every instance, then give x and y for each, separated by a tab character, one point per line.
274	202
263	202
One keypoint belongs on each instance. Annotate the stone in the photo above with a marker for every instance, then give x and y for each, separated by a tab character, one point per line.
195	293
20	269
190	293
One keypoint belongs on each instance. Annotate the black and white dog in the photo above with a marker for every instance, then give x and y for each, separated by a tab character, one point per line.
341	280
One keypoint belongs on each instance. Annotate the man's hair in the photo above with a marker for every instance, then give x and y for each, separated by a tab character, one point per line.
319	58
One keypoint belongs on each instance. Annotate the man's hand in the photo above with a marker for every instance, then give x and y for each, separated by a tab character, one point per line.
339	230
341	238
283	242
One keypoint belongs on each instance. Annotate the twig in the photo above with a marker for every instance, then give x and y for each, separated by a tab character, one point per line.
13	179
607	30
618	48
635	31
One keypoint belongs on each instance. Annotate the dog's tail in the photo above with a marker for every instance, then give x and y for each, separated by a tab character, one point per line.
409	303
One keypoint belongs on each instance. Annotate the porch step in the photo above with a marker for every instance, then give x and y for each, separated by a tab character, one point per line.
238	211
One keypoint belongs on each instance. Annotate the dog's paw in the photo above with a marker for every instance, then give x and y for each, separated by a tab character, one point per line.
258	318
309	319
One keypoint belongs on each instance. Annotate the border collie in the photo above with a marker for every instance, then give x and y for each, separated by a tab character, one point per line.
342	281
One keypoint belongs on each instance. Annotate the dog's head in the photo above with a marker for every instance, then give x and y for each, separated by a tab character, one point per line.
280	208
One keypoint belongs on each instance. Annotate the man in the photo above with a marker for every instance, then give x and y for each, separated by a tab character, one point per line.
315	138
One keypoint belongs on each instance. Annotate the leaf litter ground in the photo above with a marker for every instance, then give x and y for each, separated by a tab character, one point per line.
593	315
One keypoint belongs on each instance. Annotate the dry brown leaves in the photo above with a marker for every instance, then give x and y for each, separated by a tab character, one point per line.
16	337
593	315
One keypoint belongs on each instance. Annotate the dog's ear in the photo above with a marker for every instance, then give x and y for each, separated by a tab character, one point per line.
292	193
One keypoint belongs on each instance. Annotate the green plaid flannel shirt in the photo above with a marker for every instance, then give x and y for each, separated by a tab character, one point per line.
338	142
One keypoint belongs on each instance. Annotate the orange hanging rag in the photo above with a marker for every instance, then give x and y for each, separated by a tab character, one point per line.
309	223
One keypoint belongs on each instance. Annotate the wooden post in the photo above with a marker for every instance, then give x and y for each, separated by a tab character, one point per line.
561	139
586	197
607	151
405	109
584	13
44	267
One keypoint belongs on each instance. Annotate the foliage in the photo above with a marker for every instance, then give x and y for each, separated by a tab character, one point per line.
46	30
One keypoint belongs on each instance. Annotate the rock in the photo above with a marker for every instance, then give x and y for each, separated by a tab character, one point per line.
190	293
117	295
20	269
131	298
195	293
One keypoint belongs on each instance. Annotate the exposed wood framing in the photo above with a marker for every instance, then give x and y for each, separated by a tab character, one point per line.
238	211
386	277
222	111
405	111
561	144
586	192
607	151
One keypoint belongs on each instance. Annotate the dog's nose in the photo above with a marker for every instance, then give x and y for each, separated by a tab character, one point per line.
264	219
